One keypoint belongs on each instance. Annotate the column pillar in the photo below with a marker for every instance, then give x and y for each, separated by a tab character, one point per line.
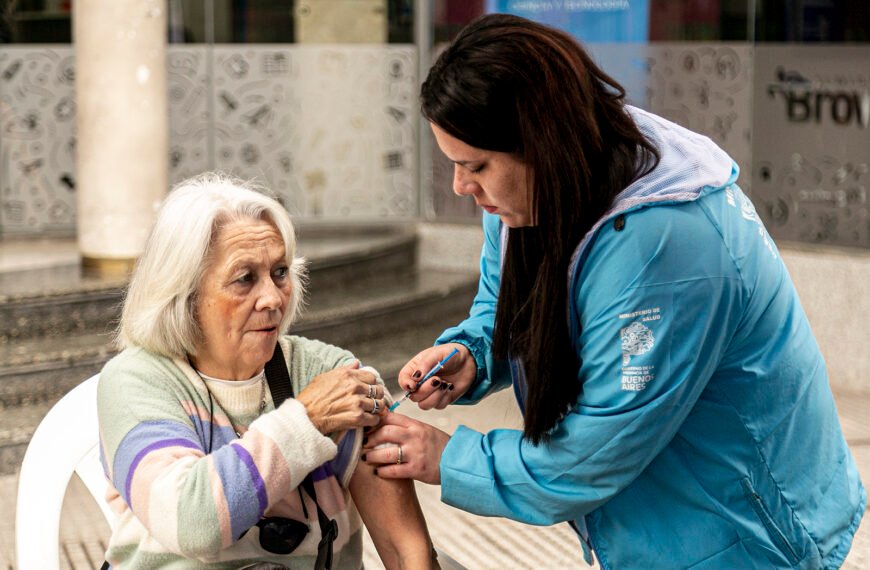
122	127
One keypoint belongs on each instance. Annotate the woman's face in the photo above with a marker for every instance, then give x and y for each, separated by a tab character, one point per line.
243	295
497	181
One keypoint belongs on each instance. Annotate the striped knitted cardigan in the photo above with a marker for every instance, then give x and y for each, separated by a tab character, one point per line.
179	505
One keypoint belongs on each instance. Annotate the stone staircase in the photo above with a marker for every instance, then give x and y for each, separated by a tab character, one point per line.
366	293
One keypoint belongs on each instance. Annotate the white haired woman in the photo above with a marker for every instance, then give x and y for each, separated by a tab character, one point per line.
205	469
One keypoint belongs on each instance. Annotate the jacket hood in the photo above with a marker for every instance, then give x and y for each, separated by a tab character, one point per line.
690	165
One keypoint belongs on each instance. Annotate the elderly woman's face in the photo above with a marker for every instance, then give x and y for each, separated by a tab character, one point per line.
243	295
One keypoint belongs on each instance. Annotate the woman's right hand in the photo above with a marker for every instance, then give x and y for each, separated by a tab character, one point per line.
448	384
343	398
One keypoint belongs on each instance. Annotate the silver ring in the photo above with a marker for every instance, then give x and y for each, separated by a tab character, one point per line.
401	457
371	391
376	407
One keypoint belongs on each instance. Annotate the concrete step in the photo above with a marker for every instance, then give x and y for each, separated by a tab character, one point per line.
42	369
389	353
16	428
337	256
60	300
363	310
55	302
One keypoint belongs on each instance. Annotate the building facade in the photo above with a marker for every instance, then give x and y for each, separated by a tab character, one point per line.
318	101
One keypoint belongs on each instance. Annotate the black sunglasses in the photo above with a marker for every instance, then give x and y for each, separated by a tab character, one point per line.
280	535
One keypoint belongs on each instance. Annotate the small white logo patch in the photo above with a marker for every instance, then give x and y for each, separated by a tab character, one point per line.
747	210
636	340
729	194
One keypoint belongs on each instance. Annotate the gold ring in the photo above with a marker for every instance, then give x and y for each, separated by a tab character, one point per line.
401	456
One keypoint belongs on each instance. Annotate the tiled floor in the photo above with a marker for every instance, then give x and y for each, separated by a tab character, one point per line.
474	542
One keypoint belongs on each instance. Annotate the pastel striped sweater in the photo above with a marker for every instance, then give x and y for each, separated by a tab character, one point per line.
179	506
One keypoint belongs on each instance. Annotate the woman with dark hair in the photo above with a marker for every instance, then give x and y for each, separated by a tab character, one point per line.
676	406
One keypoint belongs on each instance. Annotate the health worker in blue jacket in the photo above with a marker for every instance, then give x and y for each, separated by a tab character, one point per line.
676	406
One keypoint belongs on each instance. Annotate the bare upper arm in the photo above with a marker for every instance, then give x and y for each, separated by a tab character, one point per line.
393	517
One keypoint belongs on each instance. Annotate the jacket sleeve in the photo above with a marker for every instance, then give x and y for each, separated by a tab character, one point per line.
656	304
309	358
475	332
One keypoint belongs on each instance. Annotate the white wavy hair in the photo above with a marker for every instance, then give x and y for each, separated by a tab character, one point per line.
159	308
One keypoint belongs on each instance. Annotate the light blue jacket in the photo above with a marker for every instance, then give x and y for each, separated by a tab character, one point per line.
706	434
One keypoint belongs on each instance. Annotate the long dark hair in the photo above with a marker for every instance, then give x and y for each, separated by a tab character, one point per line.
508	84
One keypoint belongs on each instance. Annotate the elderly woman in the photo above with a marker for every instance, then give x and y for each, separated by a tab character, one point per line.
205	470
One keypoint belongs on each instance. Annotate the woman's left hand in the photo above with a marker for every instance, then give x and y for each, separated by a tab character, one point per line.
344	398
421	447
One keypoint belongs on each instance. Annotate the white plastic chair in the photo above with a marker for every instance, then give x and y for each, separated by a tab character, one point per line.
65	442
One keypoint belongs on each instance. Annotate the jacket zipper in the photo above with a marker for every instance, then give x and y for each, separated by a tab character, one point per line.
588	550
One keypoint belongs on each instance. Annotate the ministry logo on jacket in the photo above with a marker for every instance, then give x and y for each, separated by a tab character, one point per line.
637	339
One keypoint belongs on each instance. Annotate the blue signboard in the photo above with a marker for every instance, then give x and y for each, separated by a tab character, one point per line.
588	20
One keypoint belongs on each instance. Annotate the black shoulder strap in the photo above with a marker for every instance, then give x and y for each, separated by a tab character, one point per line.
328	530
278	378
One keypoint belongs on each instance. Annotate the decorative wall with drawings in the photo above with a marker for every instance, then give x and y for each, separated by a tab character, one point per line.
705	87
37	140
811	145
330	129
795	118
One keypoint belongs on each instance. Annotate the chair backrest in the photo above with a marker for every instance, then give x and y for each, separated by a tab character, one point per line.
65	442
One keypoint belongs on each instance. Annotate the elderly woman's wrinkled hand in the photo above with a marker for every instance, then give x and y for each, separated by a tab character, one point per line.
344	398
